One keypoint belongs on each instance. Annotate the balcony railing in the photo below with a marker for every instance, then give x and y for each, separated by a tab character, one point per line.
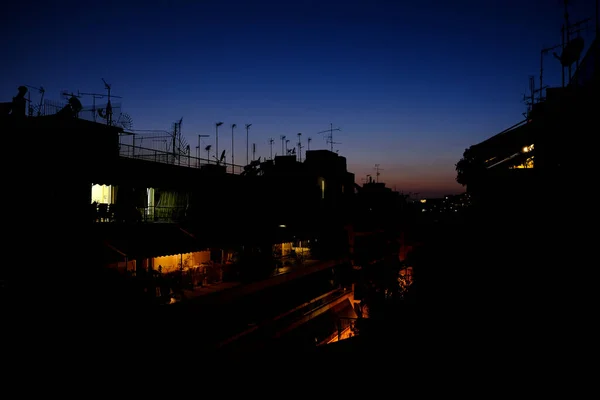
162	214
166	157
110	213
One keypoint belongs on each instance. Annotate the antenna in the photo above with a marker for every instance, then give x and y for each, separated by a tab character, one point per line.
94	97
198	147
233	126
177	140
271	146
66	93
109	112
41	90
247	128
282	138
300	147
217	125
530	99
542	87
73	103
377	173
571	49
329	138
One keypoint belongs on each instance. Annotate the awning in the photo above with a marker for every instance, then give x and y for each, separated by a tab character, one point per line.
507	142
149	240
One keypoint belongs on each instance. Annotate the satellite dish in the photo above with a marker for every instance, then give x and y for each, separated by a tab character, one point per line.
22	92
125	120
572	52
75	104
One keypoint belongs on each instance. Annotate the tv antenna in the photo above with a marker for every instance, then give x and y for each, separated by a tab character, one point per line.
179	144
300	147
109	113
94	97
199	141
271	140
221	159
41	90
377	173
543	53
282	138
247	143
571	48
73	102
530	98
233	126
329	138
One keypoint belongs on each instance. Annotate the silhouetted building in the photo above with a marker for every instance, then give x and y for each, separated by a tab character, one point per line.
526	162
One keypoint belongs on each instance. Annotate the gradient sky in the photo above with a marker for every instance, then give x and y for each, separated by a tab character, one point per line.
410	85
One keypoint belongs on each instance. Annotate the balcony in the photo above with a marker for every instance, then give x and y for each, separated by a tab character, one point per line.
110	213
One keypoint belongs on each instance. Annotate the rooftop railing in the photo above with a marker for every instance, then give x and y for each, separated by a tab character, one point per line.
167	157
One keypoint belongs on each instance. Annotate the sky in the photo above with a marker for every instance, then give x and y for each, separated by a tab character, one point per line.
409	85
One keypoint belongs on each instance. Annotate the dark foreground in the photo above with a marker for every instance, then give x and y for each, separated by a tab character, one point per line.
503	288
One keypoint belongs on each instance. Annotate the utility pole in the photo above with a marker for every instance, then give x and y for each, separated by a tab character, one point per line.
271	146
253	151
247	144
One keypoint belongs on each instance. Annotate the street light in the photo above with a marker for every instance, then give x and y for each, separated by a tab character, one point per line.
233	126
217	125
247	143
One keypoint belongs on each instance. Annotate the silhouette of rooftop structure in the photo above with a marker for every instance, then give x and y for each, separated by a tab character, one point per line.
166	203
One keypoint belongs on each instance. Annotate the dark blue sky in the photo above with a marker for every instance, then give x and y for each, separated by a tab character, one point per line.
410	85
